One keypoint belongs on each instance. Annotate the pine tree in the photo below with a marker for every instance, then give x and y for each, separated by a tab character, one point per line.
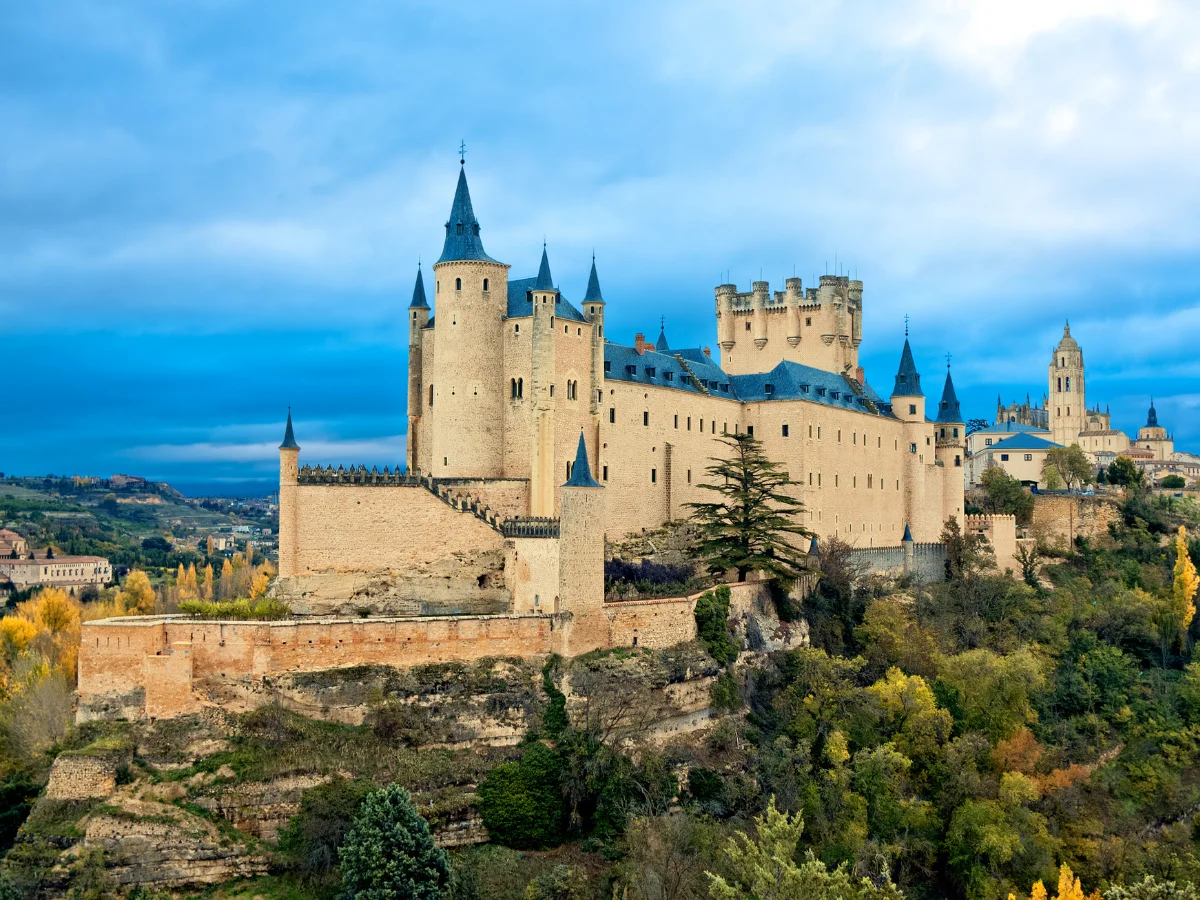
389	852
749	524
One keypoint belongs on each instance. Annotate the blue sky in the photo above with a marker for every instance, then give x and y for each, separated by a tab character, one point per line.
210	210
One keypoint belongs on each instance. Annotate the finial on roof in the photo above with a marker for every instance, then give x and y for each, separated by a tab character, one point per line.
581	471
462	153
289	437
906	324
661	344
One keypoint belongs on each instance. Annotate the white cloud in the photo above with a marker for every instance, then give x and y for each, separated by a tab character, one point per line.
343	452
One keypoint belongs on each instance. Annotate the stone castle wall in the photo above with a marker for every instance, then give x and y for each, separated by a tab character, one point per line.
1058	519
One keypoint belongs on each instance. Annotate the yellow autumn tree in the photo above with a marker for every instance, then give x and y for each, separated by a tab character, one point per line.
210	545
16	634
1069	888
138	594
258	586
249	553
226	580
1186	582
206	589
57	616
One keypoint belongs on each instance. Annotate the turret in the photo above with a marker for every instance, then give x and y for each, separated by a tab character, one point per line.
544	297
468	389
726	336
950	450
794	290
581	557
289	473
593	311
908	405
418	318
758	303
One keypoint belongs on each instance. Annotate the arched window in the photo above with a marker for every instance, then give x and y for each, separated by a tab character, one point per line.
485	284
1068	382
514	389
458	281
1060	385
520	388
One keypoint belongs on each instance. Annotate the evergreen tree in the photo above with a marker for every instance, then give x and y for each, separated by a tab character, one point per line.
748	525
389	853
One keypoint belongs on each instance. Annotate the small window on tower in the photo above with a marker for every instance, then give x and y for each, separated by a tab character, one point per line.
747	326
485	285
458	228
458	284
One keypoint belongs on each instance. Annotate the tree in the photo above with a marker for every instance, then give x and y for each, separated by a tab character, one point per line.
1006	495
1050	477
712	624
974	425
206	589
137	595
764	867
1173	482
1071	464
748	526
1183	589
521	803
966	554
1027	558
1150	888
311	839
1124	472
389	853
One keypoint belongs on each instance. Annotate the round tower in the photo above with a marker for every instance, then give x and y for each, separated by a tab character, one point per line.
908	405
581	557
593	311
289	477
1068	400
544	297
762	291
950	451
464	395
418	318
726	335
795	299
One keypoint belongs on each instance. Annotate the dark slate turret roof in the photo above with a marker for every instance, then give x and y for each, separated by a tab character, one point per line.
544	282
592	294
520	302
581	472
908	381
289	438
908	538
949	410
1152	416
466	245
661	344
418	300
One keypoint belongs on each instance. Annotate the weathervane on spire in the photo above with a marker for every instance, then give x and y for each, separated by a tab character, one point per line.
947	361
462	153
906	324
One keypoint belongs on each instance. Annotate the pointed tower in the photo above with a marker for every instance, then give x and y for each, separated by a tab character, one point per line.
951	450
908	405
289	475
661	345
464	394
581	557
544	297
593	311
418	318
1068	399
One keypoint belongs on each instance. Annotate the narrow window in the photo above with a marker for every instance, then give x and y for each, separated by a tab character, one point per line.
485	285
612	414
749	430
517	328
458	281
520	388
569	465
912	409
747	326
1068	383
912	448
689	423
604	473
689	476
654	476
646	418
810	479
836	479
551	390
431	395
785	430
514	389
818	479
702	426
839	440
676	420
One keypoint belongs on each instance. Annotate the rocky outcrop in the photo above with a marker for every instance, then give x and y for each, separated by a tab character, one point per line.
259	808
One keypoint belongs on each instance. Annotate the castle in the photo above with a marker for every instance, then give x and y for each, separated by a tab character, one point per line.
533	439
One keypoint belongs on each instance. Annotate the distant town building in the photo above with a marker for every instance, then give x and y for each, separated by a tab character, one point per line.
12	545
71	573
120	481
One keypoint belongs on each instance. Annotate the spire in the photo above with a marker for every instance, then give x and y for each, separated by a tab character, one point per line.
661	344
418	300
289	438
1152	416
949	410
462	228
908	381
581	472
593	289
544	281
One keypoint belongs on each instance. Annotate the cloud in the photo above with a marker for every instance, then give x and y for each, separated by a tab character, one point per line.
349	452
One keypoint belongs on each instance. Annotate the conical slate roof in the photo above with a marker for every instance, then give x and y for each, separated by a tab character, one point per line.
289	438
462	228
908	381
661	344
581	472
544	281
949	410
418	300
593	295
908	538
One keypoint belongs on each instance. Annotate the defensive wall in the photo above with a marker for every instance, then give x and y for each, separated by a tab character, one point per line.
1058	519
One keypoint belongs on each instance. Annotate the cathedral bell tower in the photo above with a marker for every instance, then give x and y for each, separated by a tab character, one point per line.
1068	403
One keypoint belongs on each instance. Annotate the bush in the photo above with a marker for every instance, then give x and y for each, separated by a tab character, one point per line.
647	577
712	625
241	608
521	803
389	852
309	844
554	719
1173	483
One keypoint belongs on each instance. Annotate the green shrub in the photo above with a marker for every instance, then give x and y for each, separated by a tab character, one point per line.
712	625
521	803
725	692
554	719
389	852
266	608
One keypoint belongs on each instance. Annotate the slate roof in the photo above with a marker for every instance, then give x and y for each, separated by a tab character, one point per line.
1024	442
949	410
581	472
908	380
418	299
792	381
592	294
544	282
661	344
521	304
289	438
462	228
1012	428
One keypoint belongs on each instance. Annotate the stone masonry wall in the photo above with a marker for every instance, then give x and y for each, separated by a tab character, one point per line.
1060	518
82	777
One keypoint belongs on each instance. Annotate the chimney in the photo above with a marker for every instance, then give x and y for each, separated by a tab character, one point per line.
860	375
708	353
639	343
